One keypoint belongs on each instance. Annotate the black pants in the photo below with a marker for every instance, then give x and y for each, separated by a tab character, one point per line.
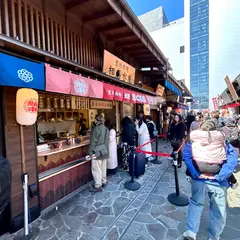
175	148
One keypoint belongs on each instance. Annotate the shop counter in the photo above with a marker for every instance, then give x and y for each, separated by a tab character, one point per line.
62	171
63	149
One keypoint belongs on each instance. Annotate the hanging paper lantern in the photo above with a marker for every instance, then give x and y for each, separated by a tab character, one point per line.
26	106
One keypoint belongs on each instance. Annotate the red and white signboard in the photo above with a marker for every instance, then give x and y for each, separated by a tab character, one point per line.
118	94
126	95
215	103
108	91
79	85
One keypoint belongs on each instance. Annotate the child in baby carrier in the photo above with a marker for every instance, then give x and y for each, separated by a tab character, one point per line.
208	150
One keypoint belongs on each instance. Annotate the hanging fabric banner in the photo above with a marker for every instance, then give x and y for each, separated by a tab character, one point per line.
18	72
108	91
79	85
57	80
95	88
126	95
118	94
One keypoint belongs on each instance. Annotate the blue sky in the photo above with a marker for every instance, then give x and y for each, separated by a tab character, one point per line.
174	9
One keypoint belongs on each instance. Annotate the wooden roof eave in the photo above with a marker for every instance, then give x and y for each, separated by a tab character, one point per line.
125	12
41	55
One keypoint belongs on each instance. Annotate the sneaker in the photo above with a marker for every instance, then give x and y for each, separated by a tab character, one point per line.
94	189
104	185
234	185
189	235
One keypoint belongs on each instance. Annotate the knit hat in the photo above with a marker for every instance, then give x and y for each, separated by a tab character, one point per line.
99	118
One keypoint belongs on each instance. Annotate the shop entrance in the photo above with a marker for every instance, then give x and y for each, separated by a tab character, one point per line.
4	215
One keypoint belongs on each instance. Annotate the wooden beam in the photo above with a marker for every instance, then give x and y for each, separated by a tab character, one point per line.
1	22
32	27
136	50
96	16
14	28
48	34
120	36
6	13
20	23
74	3
127	43
111	27
43	32
26	23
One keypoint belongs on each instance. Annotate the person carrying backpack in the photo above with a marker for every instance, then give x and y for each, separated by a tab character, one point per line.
153	132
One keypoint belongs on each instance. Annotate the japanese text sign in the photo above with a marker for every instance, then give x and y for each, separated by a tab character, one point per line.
115	67
98	104
215	103
108	91
118	94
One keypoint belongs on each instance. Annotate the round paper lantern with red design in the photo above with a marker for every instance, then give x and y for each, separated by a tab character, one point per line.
26	106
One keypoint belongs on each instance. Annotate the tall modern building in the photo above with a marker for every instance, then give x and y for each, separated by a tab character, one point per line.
211	46
154	19
197	51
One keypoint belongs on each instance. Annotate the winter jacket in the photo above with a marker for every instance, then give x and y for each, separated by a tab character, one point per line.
208	147
225	172
177	131
129	134
99	135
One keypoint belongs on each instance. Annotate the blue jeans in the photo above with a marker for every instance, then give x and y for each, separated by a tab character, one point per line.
217	209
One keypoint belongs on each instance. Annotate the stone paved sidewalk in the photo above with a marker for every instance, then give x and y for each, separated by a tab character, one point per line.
120	214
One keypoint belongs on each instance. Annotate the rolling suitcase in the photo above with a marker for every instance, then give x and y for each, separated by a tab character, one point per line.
139	164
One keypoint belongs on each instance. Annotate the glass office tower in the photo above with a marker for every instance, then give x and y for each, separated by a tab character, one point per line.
199	53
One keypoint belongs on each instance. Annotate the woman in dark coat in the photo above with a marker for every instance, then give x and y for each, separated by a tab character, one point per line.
178	135
128	139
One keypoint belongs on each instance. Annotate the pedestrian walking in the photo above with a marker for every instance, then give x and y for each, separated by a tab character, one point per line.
216	187
98	149
112	162
195	124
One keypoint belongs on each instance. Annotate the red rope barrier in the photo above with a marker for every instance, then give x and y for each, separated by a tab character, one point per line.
158	153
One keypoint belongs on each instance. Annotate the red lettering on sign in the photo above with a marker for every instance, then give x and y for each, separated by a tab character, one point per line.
31	105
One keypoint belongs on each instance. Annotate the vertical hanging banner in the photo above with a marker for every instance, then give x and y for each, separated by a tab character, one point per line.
95	89
57	80
126	95
108	91
79	85
231	88
118	94
215	103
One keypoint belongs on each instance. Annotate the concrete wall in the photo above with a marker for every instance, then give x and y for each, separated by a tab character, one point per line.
170	39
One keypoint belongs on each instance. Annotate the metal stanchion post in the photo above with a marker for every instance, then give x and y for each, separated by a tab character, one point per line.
132	185
177	198
156	160
25	195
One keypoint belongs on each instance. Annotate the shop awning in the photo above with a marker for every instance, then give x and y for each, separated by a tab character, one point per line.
108	91
57	80
171	87
18	72
95	89
118	96
79	85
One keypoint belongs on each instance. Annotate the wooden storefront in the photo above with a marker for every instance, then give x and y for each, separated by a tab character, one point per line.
69	35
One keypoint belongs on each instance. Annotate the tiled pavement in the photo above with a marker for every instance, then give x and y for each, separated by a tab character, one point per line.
120	214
